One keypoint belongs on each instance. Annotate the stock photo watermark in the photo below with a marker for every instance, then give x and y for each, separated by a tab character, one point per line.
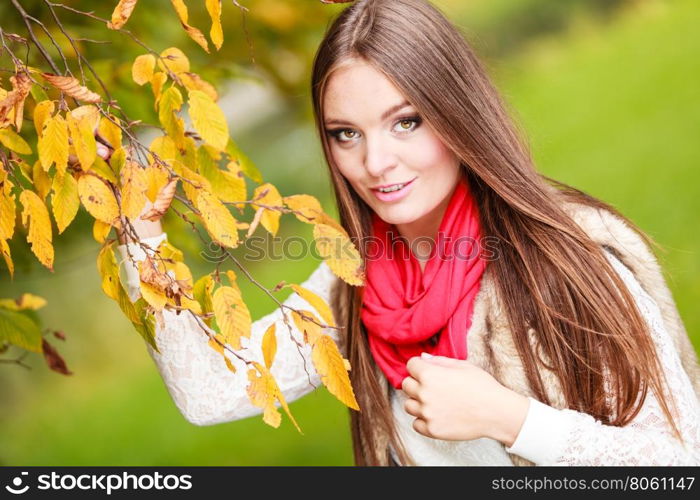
394	247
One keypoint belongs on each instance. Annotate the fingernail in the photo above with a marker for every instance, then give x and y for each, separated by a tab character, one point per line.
427	355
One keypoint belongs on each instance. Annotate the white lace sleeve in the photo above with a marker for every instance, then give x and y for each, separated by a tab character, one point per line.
204	390
565	437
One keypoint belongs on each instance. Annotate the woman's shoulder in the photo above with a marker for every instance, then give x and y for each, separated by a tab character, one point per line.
612	232
631	249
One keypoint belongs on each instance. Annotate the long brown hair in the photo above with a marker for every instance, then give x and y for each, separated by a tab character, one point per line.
550	275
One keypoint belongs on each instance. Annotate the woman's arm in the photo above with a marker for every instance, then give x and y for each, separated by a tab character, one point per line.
204	390
565	437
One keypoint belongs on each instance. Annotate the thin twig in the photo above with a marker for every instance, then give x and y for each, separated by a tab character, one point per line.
38	44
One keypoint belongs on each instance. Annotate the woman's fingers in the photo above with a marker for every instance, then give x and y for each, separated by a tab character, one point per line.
410	387
103	151
413	407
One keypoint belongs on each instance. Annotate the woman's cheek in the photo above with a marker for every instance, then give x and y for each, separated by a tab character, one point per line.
428	154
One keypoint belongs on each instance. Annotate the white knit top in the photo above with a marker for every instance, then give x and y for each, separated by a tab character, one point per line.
206	392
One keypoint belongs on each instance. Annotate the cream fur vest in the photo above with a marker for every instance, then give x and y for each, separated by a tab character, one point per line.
490	343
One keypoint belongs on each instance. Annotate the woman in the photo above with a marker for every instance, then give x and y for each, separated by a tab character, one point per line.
554	336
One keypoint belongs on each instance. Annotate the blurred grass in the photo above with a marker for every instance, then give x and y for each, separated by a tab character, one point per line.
612	109
617	114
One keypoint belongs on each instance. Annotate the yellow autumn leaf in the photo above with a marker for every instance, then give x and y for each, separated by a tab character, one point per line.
192	32
310	329
24	168
267	194
98	199
41	180
83	137
170	102
162	201
192	81
218	221
308	209
134	186
208	120
216	33
72	87
157	82
142	69
231	275
53	144
218	347
35	218
100	230
232	315
192	182
11	140
24	302
263	391
173	59
228	187
42	111
180	290
230	365
121	14
164	148
31	301
331	368
110	132
340	253
160	190
269	345
155	297
5	251
307	206
7	110
202	293
317	302
89	113
107	267
104	170
65	201
12	103
7	213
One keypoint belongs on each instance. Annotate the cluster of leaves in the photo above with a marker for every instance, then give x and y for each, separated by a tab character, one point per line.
200	170
19	326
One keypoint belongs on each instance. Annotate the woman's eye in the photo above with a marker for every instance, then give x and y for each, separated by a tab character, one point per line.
409	123
347	133
403	125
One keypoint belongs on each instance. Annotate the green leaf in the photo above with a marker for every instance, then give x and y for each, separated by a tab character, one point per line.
101	168
17	329
243	161
147	325
202	293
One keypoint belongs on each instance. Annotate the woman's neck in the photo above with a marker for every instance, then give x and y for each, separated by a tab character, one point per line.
425	231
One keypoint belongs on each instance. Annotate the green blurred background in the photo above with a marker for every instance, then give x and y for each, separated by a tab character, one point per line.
606	91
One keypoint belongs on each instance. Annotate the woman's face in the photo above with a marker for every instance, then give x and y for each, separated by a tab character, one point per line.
376	138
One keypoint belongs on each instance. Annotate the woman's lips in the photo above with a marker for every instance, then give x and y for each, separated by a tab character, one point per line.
394	195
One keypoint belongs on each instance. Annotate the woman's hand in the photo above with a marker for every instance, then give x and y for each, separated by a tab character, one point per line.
454	400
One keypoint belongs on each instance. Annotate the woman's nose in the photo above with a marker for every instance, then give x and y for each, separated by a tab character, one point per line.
379	157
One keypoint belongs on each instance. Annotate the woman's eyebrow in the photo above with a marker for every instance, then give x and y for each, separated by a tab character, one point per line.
385	115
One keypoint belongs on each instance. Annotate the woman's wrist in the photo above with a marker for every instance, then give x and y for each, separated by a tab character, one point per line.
510	416
142	228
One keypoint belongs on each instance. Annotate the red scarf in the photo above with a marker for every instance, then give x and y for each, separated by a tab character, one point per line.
403	307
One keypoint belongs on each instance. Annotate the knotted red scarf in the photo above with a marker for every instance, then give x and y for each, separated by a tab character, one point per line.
403	306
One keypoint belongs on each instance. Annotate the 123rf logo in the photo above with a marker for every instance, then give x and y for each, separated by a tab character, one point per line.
102	482
17	486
